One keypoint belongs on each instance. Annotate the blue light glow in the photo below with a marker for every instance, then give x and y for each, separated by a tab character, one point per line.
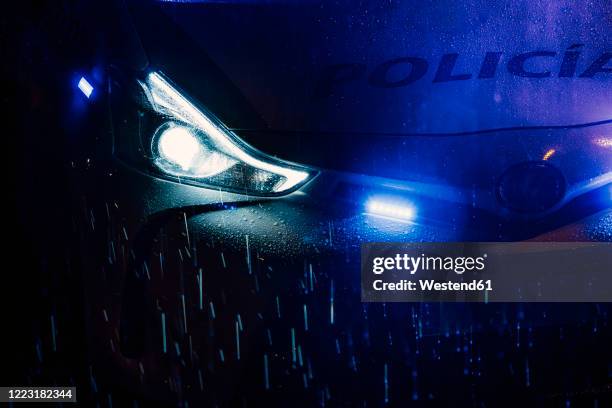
85	87
387	208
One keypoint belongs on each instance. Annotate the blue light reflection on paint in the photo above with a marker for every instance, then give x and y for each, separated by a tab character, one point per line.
85	87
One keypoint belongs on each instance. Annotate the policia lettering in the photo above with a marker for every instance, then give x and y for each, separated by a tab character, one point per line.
415	68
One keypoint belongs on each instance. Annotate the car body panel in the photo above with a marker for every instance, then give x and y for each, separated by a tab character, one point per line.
320	66
453	134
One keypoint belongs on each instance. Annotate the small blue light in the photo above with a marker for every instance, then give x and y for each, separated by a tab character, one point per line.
392	209
85	87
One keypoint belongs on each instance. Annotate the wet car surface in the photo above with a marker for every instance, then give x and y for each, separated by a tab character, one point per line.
218	324
261	302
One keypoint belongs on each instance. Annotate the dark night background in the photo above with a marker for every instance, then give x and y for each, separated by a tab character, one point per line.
40	41
41	44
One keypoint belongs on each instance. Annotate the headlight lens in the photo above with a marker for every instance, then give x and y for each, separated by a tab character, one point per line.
192	145
179	151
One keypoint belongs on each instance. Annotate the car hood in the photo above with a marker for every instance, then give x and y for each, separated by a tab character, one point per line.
409	67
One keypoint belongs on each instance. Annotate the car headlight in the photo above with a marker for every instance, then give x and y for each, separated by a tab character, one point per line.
192	145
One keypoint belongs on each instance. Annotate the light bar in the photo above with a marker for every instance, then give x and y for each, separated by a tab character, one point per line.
85	87
390	209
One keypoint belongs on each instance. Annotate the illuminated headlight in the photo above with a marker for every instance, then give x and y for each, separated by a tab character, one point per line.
193	146
180	151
